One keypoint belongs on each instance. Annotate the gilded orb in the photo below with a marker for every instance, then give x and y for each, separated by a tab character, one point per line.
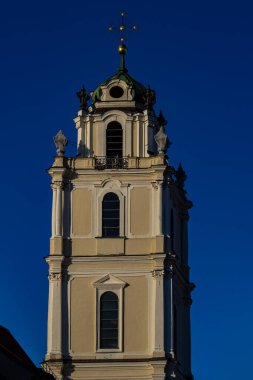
122	49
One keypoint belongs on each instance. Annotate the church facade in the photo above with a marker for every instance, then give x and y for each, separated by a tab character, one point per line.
119	288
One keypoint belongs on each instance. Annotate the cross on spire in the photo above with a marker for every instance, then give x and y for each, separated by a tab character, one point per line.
122	27
122	47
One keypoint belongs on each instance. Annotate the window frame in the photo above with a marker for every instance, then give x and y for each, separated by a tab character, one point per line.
108	139
116	338
116	218
112	284
121	213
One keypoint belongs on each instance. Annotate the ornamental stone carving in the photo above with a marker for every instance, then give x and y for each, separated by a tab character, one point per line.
161	137
180	177
58	184
83	98
55	276
60	143
156	273
161	140
154	185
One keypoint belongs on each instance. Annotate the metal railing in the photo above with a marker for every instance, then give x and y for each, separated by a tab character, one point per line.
116	162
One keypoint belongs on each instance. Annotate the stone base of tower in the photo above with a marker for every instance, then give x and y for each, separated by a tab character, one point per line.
152	369
107	370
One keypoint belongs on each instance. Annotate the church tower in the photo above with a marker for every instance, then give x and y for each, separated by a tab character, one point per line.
119	289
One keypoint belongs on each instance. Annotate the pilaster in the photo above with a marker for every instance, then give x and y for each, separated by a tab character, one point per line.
157	275
79	121
160	208
54	342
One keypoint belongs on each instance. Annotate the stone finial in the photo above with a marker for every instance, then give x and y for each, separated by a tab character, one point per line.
149	97
161	137
180	176
161	140
83	97
161	121
60	142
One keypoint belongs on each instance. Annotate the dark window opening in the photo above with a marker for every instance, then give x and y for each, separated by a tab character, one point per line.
116	92
110	215
109	320
114	142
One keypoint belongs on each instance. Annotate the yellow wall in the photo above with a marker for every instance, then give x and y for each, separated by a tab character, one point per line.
140	211
81	212
136	314
82	315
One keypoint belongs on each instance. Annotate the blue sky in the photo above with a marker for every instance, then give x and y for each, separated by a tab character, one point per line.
198	56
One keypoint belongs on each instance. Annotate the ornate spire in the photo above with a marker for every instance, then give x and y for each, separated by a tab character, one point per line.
161	120
150	98
83	97
122	47
180	177
122	51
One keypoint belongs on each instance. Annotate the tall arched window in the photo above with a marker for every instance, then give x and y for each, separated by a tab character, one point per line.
114	142
110	215
109	320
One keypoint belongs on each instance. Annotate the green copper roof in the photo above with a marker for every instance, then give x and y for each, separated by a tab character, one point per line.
138	90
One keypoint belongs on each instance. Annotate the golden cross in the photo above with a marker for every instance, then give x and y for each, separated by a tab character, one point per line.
122	27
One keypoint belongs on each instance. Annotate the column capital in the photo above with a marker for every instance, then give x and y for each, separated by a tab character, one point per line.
157	184
154	185
157	273
55	276
58	184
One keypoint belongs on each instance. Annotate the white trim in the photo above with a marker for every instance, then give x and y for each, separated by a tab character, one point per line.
53	210
58	228
69	311
119	83
128	273
71	211
115	285
100	197
130	258
153	211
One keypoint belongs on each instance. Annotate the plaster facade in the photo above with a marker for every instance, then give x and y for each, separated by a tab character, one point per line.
145	265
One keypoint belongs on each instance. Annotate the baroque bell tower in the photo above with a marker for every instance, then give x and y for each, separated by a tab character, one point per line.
119	289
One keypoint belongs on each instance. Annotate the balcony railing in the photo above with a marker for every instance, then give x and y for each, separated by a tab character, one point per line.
102	163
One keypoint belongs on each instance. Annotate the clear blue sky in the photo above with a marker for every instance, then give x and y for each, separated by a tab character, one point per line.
198	56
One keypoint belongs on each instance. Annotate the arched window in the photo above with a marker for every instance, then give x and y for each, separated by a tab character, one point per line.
109	320
110	215
114	140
